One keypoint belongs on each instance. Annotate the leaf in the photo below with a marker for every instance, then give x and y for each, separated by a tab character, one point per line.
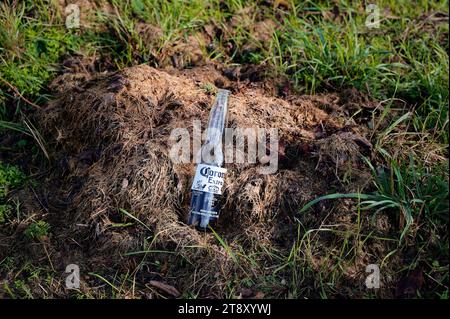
171	290
225	246
396	123
123	211
259	295
334	196
137	6
373	203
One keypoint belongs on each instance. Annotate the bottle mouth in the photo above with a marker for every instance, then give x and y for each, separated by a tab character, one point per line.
223	91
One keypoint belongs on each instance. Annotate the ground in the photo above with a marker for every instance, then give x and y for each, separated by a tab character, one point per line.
85	177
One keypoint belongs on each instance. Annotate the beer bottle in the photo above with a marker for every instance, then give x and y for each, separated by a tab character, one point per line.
209	177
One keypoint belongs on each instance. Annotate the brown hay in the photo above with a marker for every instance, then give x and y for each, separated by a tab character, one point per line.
114	128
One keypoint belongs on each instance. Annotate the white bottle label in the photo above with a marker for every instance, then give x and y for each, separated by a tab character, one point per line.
209	179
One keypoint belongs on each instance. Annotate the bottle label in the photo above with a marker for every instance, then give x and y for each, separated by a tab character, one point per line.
205	204
209	179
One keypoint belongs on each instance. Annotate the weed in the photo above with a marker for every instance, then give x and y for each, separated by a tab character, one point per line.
10	177
7	263
37	230
4	213
406	190
30	48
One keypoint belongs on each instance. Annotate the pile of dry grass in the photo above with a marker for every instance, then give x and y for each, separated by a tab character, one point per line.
112	134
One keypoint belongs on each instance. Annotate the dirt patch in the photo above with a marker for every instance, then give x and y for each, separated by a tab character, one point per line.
111	138
213	41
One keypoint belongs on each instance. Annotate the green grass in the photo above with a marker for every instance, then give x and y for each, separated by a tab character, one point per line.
37	230
316	53
403	64
408	191
11	177
396	60
31	44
